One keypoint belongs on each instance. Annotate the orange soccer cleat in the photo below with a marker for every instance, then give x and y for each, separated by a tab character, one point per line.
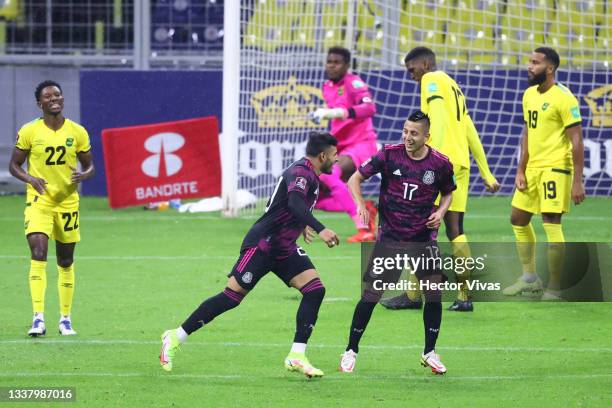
363	235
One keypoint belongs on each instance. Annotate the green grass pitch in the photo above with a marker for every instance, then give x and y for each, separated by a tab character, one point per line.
139	273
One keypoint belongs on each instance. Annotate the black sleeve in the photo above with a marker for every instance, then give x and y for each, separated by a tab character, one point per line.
298	208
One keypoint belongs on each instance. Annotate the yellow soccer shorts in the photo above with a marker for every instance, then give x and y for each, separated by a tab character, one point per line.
460	195
62	226
548	191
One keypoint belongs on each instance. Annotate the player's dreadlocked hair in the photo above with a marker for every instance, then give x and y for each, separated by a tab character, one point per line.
319	142
43	85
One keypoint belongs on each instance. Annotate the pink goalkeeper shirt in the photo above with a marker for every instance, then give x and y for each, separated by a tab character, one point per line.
352	94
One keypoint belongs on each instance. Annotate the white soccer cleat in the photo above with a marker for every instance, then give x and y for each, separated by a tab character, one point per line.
65	328
347	363
38	328
552	295
522	287
432	360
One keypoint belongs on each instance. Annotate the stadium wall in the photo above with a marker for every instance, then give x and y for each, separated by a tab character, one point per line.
17	84
124	98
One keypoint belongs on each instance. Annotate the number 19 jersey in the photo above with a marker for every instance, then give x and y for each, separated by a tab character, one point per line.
547	115
50	156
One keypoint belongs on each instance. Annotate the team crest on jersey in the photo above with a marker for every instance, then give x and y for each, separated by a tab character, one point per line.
69	141
340	91
300	182
247	277
545	106
429	177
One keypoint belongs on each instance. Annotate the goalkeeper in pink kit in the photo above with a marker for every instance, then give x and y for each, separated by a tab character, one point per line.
350	111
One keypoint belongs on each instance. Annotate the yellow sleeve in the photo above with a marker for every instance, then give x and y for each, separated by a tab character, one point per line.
24	138
430	91
478	151
437	116
525	114
570	112
83	144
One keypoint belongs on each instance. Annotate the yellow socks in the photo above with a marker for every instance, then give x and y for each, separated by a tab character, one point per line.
525	245
38	285
556	254
65	285
461	249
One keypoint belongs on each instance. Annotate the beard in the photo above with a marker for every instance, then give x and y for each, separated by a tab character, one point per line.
327	169
537	79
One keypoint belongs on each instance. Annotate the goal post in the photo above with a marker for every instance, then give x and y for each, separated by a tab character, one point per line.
274	54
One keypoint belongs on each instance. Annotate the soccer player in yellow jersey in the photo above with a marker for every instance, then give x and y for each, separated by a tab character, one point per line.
452	133
549	171
52	145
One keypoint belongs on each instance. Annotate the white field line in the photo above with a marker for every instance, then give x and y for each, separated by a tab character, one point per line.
116	342
332	377
178	217
170	258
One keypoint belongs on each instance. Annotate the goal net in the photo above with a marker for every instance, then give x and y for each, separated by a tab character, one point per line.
483	44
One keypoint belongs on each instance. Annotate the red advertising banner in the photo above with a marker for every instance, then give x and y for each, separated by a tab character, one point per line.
162	161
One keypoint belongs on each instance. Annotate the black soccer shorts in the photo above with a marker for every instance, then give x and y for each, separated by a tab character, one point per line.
381	270
253	264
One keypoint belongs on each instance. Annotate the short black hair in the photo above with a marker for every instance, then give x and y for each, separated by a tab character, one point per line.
346	54
550	54
319	142
420	52
43	85
419	116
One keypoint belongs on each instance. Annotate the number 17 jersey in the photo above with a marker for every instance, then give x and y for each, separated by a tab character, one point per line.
408	190
453	143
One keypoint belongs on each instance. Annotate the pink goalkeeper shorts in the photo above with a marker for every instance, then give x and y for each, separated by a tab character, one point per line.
359	152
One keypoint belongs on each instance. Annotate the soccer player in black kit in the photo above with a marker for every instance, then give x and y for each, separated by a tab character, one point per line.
270	245
412	176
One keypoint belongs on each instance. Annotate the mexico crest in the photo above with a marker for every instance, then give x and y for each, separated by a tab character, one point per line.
428	177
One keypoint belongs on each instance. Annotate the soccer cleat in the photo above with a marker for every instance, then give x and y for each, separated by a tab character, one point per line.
299	362
432	360
552	295
461	306
347	363
373	211
38	328
65	328
401	302
170	344
363	235
522	287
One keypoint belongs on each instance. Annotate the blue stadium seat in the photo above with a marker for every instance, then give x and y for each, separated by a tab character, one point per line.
187	24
